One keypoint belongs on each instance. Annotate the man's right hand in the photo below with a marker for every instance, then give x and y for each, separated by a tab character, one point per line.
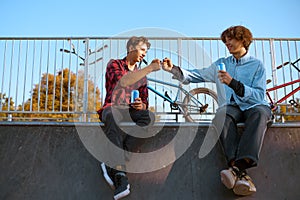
155	65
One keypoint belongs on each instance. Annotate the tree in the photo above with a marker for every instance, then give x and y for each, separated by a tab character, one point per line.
59	97
5	103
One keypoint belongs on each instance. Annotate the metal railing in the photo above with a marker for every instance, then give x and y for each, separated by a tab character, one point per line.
63	78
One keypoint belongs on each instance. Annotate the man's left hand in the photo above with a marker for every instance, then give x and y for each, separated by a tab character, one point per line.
224	77
138	104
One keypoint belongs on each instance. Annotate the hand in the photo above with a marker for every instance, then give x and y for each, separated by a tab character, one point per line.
167	64
224	77
155	65
137	104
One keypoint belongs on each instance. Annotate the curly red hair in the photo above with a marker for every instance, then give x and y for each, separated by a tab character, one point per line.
240	33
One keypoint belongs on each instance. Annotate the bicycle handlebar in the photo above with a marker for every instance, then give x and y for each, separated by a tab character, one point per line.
292	63
280	66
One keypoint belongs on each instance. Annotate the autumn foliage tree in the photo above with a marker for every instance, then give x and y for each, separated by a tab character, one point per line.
61	97
6	105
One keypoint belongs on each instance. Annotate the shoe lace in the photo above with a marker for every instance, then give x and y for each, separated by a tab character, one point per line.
244	175
240	173
236	171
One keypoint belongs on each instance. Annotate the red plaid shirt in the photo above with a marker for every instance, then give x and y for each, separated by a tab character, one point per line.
115	94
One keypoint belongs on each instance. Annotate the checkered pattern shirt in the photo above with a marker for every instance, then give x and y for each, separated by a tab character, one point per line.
117	95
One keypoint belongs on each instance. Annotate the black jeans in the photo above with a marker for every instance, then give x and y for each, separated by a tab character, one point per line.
248	144
111	117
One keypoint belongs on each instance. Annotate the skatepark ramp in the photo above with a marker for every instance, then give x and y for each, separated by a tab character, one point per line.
50	161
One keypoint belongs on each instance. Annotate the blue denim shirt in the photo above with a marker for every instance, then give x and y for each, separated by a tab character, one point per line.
248	70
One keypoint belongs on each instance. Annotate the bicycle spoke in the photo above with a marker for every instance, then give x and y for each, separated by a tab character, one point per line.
200	104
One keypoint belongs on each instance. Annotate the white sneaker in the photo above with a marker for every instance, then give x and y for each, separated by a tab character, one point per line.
244	186
106	175
122	187
229	176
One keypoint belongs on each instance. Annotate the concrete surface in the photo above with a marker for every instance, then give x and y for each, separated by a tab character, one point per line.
48	161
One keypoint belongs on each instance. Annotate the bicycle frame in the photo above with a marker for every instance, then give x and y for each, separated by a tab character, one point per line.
173	103
285	97
166	97
281	86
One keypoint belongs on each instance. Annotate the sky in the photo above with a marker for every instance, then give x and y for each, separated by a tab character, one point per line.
192	18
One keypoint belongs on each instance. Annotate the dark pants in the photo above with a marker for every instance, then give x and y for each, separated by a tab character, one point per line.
248	144
111	117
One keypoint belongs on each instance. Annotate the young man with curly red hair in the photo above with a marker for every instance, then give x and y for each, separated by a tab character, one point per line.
241	95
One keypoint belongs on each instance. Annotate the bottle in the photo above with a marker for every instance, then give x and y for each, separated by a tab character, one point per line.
222	67
134	94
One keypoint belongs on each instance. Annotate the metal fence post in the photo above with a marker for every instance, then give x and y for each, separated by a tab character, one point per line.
274	75
86	81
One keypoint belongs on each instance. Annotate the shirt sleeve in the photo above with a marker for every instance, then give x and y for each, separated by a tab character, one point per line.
186	76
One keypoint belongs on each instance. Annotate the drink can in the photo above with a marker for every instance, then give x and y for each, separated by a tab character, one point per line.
134	94
222	67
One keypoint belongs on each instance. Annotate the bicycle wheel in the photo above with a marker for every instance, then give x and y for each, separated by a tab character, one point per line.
200	105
